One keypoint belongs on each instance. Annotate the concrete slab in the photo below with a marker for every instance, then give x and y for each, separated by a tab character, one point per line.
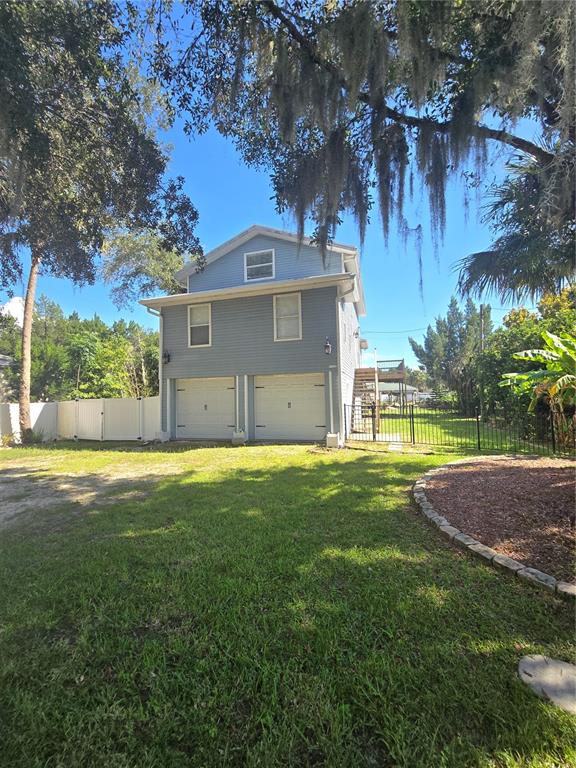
550	679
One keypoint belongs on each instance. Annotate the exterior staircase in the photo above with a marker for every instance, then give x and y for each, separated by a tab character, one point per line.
364	392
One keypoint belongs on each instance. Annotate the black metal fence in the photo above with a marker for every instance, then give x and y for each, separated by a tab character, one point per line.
439	425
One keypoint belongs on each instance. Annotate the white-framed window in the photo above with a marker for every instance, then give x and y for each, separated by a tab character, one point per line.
200	325
287	317
258	265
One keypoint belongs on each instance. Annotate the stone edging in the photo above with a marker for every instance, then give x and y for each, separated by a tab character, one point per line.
532	575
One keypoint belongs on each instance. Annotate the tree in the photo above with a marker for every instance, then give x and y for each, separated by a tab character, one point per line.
449	351
72	357
521	329
555	382
417	377
77	158
336	98
534	253
135	264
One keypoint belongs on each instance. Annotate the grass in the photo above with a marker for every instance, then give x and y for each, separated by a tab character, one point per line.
262	606
449	430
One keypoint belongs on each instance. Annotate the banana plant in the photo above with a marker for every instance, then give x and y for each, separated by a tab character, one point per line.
556	382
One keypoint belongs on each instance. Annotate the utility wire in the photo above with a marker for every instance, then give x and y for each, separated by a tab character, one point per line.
407	330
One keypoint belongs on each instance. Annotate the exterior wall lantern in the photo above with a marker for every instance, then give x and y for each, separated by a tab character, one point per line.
327	346
165	357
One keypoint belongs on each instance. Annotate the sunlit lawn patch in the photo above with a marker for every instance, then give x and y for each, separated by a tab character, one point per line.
262	606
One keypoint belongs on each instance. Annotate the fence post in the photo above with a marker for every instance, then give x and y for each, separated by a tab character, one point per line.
412	426
345	425
102	406
553	434
140	418
478	429
373	407
76	418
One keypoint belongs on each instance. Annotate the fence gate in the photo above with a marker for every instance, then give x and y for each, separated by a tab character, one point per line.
445	426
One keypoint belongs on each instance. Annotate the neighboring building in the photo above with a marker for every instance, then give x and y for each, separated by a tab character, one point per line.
265	343
390	392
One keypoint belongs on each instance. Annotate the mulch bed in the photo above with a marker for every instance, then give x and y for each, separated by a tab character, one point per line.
522	507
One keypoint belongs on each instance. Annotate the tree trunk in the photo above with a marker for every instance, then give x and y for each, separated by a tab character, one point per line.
24	394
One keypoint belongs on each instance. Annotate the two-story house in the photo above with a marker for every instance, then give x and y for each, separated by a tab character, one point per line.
263	344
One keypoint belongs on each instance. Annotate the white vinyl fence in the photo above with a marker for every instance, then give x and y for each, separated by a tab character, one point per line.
127	418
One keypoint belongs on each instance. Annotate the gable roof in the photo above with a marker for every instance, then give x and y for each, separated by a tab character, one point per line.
247	234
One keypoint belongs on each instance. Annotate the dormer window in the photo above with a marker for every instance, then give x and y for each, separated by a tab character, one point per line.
258	265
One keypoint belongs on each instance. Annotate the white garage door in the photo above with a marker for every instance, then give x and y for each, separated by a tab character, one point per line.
205	408
290	407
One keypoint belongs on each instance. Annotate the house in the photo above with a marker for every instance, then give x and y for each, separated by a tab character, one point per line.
264	342
392	392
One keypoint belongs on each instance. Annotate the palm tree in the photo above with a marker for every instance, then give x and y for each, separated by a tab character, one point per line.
535	253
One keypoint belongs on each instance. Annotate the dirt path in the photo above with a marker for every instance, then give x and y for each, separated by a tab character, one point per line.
30	487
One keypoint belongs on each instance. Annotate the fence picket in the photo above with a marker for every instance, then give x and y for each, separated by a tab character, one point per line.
446	426
102	419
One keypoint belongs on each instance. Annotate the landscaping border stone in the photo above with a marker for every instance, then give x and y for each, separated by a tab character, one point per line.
469	543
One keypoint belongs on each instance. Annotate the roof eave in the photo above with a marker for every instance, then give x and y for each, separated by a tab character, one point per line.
221	294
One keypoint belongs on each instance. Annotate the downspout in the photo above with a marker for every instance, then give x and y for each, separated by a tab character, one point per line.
338	364
159	314
331	400
246	405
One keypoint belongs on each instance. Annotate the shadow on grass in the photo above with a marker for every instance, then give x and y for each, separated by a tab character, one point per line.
274	614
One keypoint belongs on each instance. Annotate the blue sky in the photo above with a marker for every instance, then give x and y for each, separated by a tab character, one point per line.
230	197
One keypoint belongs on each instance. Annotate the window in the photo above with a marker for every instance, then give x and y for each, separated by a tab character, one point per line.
199	325
258	265
287	317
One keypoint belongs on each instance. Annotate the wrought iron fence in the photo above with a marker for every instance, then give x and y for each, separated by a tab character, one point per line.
445	426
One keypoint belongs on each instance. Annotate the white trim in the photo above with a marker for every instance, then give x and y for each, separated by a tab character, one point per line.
331	400
256	253
294	338
237	394
246	404
169	408
161	368
345	284
196	306
339	317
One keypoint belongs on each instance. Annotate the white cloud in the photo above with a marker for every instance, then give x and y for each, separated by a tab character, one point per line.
14	307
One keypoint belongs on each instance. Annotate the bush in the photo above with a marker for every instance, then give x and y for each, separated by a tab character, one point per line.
30	437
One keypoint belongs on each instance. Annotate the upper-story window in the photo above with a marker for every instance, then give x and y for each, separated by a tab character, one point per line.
259	265
199	325
287	317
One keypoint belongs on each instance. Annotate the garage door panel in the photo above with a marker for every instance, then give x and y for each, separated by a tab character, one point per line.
205	408
290	407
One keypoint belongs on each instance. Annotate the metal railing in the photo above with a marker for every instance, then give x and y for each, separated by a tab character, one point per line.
445	426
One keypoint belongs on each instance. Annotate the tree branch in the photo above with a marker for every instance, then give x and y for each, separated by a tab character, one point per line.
482	131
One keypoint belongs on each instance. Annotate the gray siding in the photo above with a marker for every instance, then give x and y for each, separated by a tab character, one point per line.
291	263
243	341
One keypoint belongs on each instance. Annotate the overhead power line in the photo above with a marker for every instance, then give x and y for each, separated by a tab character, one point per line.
406	330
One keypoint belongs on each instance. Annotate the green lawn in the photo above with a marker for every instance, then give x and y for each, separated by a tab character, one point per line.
449	430
259	606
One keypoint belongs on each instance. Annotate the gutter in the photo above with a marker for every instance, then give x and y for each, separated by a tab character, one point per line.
237	292
158	314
